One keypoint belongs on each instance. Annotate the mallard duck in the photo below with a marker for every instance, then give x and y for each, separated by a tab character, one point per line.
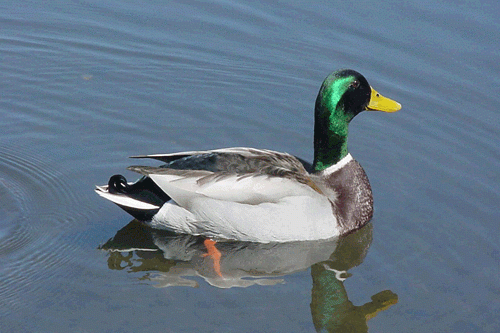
261	195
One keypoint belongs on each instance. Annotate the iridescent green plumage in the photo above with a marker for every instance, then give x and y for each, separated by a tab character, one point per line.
341	97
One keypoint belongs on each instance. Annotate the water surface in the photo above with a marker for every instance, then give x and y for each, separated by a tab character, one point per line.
86	84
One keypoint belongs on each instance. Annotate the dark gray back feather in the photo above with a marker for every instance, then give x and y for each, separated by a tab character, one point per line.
217	165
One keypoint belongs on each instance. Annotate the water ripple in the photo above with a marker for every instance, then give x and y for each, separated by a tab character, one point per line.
35	207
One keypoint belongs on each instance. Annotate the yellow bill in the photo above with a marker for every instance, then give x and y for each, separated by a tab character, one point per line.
381	103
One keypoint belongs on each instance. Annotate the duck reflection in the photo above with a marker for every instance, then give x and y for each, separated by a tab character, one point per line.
170	260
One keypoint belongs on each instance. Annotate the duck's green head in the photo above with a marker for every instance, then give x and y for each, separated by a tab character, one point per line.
343	95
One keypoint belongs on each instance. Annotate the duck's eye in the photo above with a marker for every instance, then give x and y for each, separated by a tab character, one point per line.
354	84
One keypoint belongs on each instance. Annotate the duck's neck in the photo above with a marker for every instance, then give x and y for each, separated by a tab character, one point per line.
330	136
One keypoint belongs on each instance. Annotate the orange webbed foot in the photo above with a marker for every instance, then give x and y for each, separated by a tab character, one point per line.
213	253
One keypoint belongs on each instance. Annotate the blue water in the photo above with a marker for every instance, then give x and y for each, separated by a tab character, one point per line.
85	84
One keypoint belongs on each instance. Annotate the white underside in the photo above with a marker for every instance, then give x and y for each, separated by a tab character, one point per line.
124	200
258	208
290	219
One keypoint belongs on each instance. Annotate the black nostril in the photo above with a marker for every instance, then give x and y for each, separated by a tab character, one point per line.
117	184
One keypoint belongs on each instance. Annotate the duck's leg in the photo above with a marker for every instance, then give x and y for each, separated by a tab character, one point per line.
213	253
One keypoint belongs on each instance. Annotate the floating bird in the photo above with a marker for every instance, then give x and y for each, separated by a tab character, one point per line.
262	195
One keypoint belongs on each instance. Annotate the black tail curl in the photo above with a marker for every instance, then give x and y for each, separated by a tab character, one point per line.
118	184
144	189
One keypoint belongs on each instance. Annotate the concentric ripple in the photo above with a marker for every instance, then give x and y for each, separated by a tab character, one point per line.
35	201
